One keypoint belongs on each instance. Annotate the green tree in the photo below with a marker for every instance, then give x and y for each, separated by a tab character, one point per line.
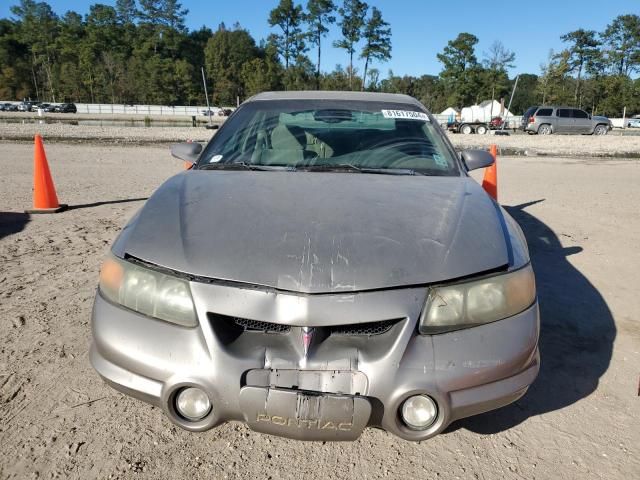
173	15
301	75
338	79
622	41
38	29
372	80
264	73
290	43
525	96
102	53
15	66
319	16
353	14
162	24
126	11
428	89
553	85
377	36
619	91
496	62
583	46
461	73
71	37
226	52
192	48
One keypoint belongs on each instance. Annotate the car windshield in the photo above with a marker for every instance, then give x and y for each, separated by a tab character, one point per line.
351	136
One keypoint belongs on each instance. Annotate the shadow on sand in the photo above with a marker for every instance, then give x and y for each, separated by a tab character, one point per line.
576	337
12	222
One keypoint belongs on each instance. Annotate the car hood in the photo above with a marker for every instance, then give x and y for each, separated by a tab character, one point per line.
600	119
317	232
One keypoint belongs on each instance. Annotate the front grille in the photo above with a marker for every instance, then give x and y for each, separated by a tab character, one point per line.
369	329
258	326
235	326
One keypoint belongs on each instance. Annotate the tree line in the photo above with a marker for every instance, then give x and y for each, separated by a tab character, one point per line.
142	52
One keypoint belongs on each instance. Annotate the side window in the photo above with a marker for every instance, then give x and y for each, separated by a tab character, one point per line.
545	112
580	114
564	113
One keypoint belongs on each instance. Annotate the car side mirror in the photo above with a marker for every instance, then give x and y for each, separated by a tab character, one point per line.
188	151
474	159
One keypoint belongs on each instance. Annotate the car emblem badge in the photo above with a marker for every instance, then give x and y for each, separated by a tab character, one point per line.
307	337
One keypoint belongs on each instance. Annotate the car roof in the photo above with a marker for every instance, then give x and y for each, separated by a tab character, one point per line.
560	106
336	95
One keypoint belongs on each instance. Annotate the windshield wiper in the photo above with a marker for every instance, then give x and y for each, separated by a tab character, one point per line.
347	167
242	166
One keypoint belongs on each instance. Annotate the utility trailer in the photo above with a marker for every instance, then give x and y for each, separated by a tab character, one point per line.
496	123
481	128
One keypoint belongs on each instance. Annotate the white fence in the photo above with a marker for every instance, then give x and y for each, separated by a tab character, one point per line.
97	108
120	109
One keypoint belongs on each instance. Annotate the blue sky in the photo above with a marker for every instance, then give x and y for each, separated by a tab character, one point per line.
421	28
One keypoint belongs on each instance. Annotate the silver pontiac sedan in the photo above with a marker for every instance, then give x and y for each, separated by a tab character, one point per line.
326	265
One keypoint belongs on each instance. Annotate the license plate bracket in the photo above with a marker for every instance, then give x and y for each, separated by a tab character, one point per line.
304	415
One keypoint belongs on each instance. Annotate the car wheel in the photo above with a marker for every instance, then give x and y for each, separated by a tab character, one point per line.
481	130
466	129
601	130
545	130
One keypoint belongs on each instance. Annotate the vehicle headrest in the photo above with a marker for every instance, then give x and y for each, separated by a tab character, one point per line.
285	137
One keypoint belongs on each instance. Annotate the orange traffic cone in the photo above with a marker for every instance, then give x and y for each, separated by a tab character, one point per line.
490	180
45	199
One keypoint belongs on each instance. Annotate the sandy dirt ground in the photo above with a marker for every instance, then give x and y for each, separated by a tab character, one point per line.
580	420
104	134
621	144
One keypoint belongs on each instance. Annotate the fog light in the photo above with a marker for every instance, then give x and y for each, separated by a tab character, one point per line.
419	412
192	403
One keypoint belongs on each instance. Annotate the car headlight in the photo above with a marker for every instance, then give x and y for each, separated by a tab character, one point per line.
464	305
147	291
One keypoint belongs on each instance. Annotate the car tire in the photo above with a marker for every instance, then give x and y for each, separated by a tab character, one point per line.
600	130
545	130
466	130
481	130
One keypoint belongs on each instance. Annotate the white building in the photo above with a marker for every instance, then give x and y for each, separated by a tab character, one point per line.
450	111
485	112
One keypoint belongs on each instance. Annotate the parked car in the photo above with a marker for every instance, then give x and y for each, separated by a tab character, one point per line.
27	106
45	107
326	264
546	120
8	107
66	108
634	123
213	111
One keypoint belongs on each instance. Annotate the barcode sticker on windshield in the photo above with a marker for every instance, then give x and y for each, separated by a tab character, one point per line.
405	115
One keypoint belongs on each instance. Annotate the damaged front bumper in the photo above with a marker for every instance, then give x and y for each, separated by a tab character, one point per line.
314	367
